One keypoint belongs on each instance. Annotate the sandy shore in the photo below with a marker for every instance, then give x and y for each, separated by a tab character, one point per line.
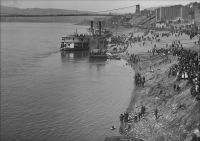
178	112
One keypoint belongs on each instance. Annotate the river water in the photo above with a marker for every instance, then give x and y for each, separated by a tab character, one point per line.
47	95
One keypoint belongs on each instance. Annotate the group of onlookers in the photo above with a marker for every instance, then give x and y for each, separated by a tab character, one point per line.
140	114
134	58
139	80
187	69
124	117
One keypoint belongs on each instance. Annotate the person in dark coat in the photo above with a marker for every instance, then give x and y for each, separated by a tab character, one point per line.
143	81
156	113
121	118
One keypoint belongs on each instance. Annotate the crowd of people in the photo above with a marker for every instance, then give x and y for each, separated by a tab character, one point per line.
124	117
139	80
187	69
134	58
140	114
119	40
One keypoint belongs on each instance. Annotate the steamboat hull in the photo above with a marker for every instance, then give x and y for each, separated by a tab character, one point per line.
98	56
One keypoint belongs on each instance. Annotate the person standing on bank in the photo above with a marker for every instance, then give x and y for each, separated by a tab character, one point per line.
156	113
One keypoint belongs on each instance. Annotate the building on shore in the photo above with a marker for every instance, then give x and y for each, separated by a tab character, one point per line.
172	13
147	12
197	16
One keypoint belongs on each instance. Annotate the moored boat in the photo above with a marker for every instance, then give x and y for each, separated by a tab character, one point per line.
98	45
98	54
96	39
75	42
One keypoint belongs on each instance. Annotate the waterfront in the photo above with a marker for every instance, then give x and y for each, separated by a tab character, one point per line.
53	95
47	95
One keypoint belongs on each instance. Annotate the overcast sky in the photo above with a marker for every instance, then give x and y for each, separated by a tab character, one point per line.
92	5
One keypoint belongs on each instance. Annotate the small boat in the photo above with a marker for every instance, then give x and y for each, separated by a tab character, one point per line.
111	56
116	57
113	128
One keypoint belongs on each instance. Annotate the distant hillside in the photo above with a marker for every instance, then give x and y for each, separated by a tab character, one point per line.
39	11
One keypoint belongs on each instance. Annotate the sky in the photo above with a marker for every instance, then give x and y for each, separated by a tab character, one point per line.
92	5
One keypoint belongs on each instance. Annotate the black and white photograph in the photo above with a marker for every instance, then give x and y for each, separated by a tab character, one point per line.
100	70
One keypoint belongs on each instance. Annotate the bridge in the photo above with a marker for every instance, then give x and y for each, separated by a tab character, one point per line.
56	15
99	13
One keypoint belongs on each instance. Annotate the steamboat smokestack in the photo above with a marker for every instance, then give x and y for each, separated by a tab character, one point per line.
92	28
91	25
100	28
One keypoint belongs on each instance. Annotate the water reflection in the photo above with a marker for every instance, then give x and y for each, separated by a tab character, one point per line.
97	64
66	55
97	60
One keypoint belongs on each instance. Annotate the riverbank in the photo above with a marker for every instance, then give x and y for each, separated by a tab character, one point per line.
178	111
